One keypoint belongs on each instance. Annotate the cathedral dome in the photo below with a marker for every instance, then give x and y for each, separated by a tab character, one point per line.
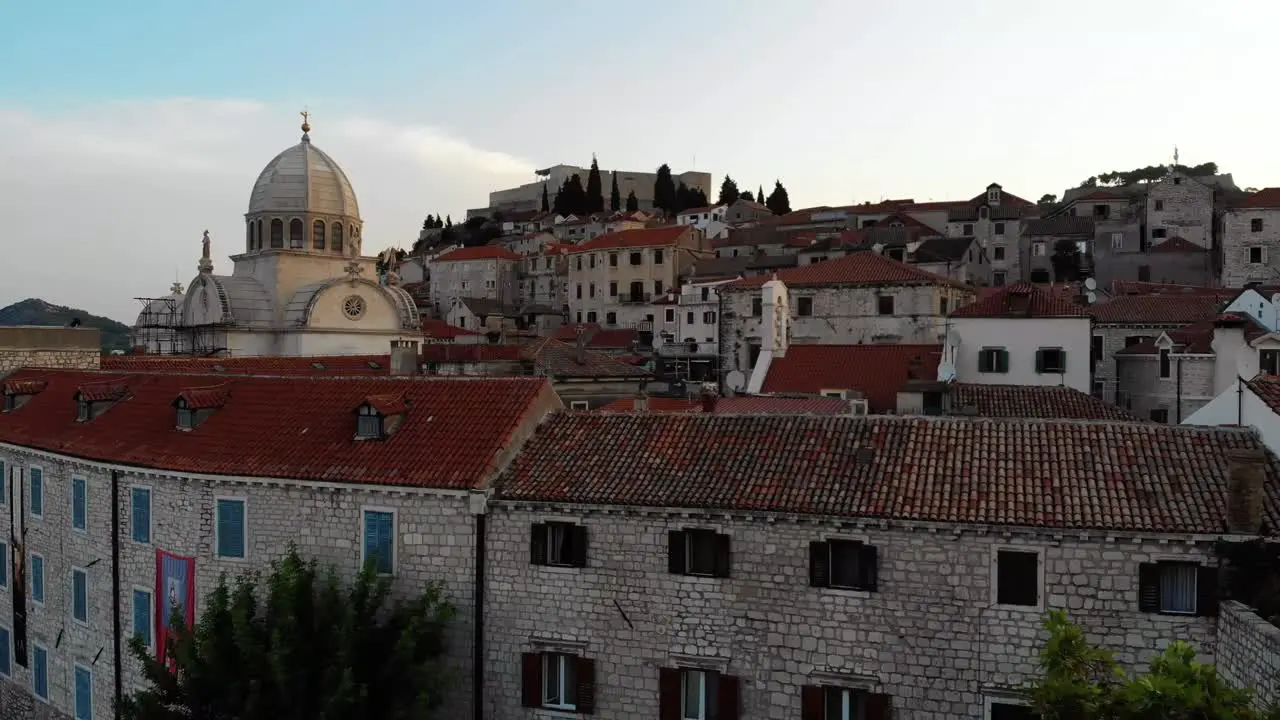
303	179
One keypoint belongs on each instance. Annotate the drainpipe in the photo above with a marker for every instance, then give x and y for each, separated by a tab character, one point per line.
477	657
115	587
1239	400
1179	393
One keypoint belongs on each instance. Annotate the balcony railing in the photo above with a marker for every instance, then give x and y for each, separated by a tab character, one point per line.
635	299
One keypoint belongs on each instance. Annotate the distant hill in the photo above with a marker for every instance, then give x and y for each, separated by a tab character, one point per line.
115	335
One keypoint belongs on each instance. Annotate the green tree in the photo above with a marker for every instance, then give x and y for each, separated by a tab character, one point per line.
728	192
615	197
297	644
1081	682
546	202
595	189
760	194
448	221
633	203
572	198
1066	261
1047	200
429	223
746	195
779	203
664	190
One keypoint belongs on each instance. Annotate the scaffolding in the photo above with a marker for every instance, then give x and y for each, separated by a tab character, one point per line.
162	330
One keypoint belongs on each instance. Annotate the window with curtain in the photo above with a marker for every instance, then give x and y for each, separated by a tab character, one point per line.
1178	588
142	615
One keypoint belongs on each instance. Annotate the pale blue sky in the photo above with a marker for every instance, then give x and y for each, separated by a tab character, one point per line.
126	128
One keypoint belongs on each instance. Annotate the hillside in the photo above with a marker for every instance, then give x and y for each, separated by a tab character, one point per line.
115	335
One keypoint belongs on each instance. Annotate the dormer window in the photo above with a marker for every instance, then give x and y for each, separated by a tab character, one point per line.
984	212
379	416
186	416
10	402
195	405
368	424
17	392
84	410
95	399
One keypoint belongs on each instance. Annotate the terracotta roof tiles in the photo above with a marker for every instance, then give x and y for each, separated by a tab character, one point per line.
876	371
1267	388
739	405
860	268
642	237
1024	300
1178	245
1135	477
1034	401
443	330
482	252
336	365
1156	309
1264	199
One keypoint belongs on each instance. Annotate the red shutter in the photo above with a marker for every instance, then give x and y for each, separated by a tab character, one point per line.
585	672
812	703
728	697
668	694
878	707
819	564
531	675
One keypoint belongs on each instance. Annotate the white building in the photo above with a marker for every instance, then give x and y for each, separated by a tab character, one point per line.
687	335
1253	403
1021	334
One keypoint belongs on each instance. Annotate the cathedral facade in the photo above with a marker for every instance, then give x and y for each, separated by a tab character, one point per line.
301	285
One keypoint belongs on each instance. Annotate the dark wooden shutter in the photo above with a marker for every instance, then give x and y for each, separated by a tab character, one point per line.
1149	587
723	555
531	677
812	703
1039	361
538	544
728	697
1003	359
1207	591
668	694
579	545
676	552
878	707
585	672
868	567
819	564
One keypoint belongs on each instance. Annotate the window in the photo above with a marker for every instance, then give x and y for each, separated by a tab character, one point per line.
998	278
1009	711
706	294
657	287
698	552
40	672
999	228
966	229
1159	233
942	306
1268	362
613	289
613	260
591	316
80	595
10	402
698	694
1117	241
379	540
837	703
83	692
37	493
804	306
143	615
611	318
1096	349
186	416
558	544
843	564
993	360
579	405
693	695
997	252
657	257
1159	206
591	290
368	423
1165	369
708	317
635	258
1177	181
1160	415
1144	273
593	261
79	504
37	578
578	291
229	528
1037	249
688	318
558	681
1017	578
1257	255
82	411
671	315
1051	361
6	659
4	565
140	514
1177	588
579	262
885	304
757	307
1255	225
1131	340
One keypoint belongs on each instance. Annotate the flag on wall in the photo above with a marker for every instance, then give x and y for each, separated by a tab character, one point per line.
175	588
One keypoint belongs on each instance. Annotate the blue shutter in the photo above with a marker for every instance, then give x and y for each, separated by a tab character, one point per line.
37	491
6	663
230	528
386	544
79	502
84	694
142	615
140	516
40	673
37	578
370	536
80	595
4	565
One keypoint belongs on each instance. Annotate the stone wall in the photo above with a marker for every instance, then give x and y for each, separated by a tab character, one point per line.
49	347
931	636
1248	651
1138	379
1182	207
1238	237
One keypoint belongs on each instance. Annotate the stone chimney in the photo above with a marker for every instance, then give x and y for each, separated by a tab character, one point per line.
775	317
1246	470
708	400
580	345
404	357
1229	349
641	403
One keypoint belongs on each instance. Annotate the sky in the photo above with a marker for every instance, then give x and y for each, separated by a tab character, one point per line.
128	128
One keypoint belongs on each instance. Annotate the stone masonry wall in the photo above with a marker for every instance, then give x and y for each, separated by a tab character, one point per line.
1248	651
1183	208
931	636
1238	236
1139	379
49	347
1113	337
435	542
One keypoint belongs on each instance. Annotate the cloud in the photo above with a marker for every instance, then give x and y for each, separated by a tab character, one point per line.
107	203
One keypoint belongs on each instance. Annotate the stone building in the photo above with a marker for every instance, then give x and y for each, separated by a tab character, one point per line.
480	273
49	347
227	471
995	218
1251	240
1041	238
860	298
778	566
614	279
1179	205
962	259
544	278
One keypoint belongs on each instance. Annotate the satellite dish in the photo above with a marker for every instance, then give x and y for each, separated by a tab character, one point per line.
953	337
1091	297
1090	284
946	371
735	380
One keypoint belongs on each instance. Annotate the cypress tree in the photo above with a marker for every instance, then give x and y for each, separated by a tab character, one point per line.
595	189
760	194
546	203
429	223
746	195
778	201
633	203
728	192
664	190
615	197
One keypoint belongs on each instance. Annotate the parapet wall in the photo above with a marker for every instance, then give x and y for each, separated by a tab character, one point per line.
49	347
1248	652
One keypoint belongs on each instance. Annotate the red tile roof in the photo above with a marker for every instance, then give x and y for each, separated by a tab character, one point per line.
641	237
1264	199
330	365
876	371
700	210
443	330
558	359
1157	309
451	435
104	389
860	268
1178	245
206	398
482	252
1135	287
1023	300
740	405
1135	477
597	337
1034	401
1197	338
471	353
386	404
1267	388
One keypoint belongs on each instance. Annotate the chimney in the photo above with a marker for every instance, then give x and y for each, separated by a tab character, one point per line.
1229	346
1246	469
708	401
580	345
641	403
404	357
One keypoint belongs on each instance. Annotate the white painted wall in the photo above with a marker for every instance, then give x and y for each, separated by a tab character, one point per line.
1022	338
1265	310
1235	408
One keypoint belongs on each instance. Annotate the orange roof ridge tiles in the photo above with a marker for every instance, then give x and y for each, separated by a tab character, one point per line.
386	404
1159	308
1023	300
207	397
638	237
288	428
29	386
1088	475
1264	199
864	267
479	252
878	371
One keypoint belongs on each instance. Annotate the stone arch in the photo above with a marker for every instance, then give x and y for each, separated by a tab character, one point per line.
248	236
258	233
295	233
317	235
337	237
277	233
